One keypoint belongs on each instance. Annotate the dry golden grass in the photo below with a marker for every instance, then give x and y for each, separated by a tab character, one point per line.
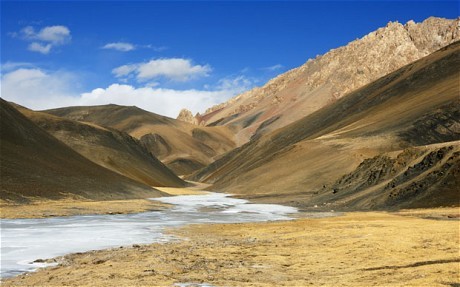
69	207
358	249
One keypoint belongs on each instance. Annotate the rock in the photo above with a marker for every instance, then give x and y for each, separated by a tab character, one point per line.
187	116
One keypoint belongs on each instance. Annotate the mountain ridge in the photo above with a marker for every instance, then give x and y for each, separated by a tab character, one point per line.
181	146
36	166
325	79
298	164
107	147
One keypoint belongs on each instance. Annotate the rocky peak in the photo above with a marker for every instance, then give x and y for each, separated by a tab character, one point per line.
187	116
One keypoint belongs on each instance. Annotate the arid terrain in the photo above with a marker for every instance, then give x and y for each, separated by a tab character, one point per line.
321	81
357	249
392	143
183	147
364	141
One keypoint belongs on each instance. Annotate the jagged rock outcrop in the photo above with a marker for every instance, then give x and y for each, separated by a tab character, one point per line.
326	78
187	116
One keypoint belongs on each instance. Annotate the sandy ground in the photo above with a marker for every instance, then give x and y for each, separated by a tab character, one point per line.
70	207
357	249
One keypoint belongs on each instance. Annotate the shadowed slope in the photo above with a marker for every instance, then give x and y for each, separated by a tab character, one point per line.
181	146
35	165
109	148
297	163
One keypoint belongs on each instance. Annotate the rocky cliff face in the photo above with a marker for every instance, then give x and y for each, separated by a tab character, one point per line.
325	79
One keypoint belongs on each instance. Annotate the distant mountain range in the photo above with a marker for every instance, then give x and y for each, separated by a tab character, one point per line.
371	125
183	147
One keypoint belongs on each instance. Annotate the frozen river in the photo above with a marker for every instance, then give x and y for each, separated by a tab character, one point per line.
26	240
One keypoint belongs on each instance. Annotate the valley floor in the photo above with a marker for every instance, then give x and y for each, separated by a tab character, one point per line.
356	249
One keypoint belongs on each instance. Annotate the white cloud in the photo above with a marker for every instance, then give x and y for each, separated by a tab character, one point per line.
38	89
124	70
176	69
46	38
57	35
166	102
274	67
41	48
120	46
237	84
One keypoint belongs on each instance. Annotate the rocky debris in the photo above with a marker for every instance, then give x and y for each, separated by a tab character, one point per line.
402	181
370	172
373	171
440	125
426	163
443	181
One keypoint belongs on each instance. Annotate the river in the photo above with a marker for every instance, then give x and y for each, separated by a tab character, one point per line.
23	241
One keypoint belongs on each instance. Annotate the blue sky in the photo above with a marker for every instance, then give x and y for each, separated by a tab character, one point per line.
163	56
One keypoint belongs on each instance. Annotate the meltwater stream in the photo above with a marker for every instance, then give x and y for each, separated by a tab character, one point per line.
26	240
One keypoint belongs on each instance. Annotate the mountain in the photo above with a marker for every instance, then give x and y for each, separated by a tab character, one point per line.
183	147
392	143
109	148
35	165
325	79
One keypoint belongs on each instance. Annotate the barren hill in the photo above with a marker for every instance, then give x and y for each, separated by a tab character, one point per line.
183	147
35	165
323	80
109	148
392	143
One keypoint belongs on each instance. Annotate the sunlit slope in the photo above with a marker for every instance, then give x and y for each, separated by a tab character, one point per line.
415	106
109	148
35	165
181	146
321	81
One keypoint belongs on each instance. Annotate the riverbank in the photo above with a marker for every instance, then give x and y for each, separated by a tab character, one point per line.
73	207
357	249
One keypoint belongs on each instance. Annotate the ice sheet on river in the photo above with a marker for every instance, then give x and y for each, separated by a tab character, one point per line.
25	240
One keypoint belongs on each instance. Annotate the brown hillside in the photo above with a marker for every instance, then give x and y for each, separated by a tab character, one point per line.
109	148
35	165
417	105
321	81
183	147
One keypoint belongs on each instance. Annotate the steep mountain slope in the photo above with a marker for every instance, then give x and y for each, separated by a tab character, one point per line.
109	148
181	146
321	81
417	105
35	165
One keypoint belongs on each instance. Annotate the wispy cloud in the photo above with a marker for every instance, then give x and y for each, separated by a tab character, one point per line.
126	47
41	48
43	40
176	69
120	46
9	66
273	68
